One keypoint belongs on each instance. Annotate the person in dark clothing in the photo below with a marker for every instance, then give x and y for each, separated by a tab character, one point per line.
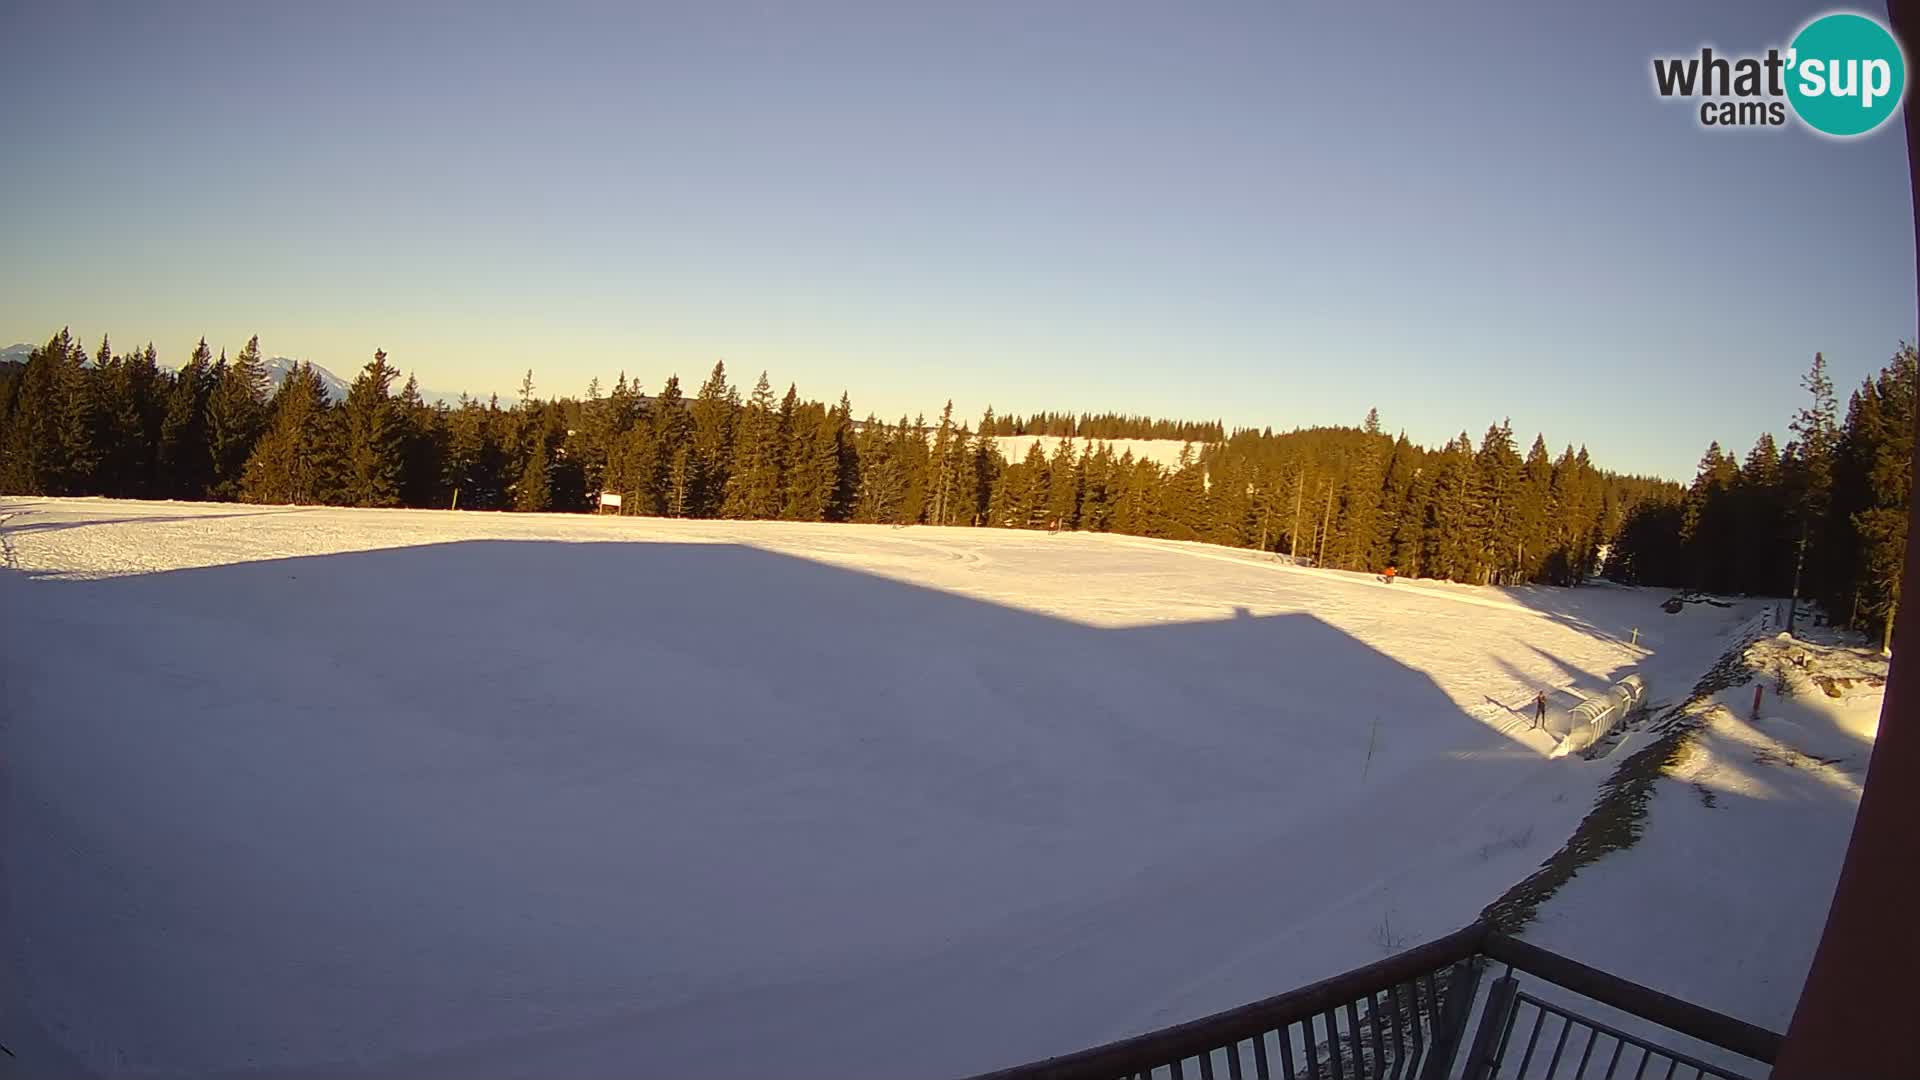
1540	709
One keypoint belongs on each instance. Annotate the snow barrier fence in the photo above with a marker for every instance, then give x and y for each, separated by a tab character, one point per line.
1585	723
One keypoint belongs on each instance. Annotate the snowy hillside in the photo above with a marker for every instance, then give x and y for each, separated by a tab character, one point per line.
425	794
16	354
1162	451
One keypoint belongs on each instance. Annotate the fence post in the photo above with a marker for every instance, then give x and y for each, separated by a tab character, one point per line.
1493	1022
1462	984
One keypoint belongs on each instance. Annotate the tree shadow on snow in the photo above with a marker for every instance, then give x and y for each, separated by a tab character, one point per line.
512	807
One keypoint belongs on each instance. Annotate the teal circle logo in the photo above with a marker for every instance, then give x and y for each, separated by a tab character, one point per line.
1845	74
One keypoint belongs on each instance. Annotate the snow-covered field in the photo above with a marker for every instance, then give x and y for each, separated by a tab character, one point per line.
1164	452
318	792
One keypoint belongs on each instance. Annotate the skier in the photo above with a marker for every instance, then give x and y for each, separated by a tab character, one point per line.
1540	709
1388	576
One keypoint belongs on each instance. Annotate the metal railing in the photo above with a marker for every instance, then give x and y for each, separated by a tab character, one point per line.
1406	1018
1629	1051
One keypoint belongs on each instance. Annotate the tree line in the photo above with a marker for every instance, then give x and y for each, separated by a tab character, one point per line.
1824	516
1350	497
1107	426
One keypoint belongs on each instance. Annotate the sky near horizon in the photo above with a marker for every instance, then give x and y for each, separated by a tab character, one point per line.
1275	215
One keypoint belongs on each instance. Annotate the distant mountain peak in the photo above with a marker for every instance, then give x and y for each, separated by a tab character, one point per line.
279	367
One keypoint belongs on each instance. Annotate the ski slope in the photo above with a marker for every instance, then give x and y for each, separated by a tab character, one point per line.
337	793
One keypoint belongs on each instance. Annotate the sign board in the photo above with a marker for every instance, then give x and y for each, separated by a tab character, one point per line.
609	499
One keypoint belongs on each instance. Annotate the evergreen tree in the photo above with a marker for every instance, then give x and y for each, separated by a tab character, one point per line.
292	461
1410	488
1360	500
236	414
754	479
423	449
371	462
534	491
1709	521
1028	507
883	484
1398	539
186	459
673	451
621	442
963	501
848	463
988	464
714	413
824	465
80	422
1816	437
134	402
1533	521
910	455
1880	425
1064	484
1182	513
475	457
1763	552
35	455
1498	505
1453	538
943	494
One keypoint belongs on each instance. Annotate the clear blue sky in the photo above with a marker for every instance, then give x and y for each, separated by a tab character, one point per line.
1269	213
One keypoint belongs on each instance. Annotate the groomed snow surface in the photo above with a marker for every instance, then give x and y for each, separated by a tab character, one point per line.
336	793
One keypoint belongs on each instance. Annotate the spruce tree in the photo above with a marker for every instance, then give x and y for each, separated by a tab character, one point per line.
80	422
1709	521
1885	433
471	470
1029	500
673	452
1498	504
292	461
943	488
1064	484
963	502
186	460
753	477
1533	521
34	458
423	448
882	483
1816	437
910	455
1360	501
1452	535
1398	532
846	466
988	464
236	414
372	431
534	492
714	413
